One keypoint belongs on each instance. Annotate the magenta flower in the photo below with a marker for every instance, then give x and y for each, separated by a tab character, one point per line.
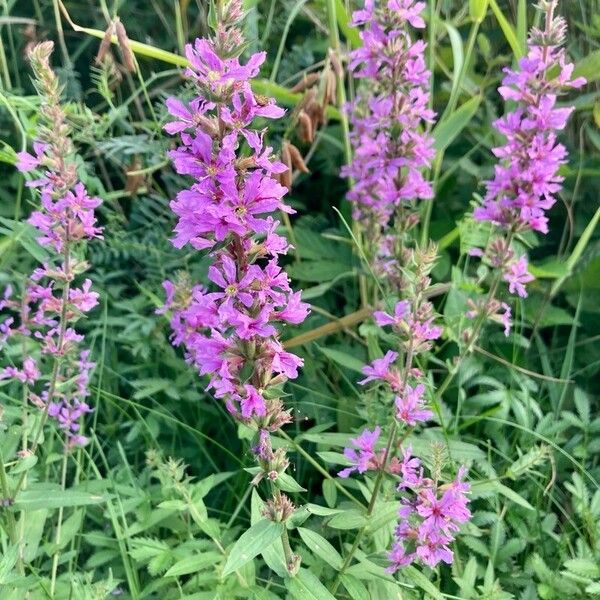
518	276
399	558
379	368
64	218
526	179
362	456
410	406
389	120
231	331
401	311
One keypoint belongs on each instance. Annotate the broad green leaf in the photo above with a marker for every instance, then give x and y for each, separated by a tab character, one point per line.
416	577
580	247
7	563
34	522
32	499
343	359
251	543
588	67
322	511
321	547
551	269
457	55
24	464
287	483
193	564
349	519
306	586
273	555
355	587
501	489
384	513
318	270
445	132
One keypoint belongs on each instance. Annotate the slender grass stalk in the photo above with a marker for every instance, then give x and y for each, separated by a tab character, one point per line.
57	539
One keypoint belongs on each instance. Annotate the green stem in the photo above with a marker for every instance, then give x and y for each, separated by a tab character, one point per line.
56	367
334	42
373	501
290	558
12	525
63	485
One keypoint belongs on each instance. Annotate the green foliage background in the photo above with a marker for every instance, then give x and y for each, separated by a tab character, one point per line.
530	430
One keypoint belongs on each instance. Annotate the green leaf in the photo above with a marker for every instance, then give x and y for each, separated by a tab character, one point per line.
421	581
343	359
350	33
193	564
24	464
445	132
457	55
7	563
31	499
508	30
251	543
318	270
588	67
580	246
321	547
583	567
504	490
273	555
349	519
287	483
355	587
306	586
478	9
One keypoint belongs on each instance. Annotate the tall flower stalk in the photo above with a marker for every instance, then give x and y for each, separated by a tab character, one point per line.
391	150
389	119
231	331
526	180
40	324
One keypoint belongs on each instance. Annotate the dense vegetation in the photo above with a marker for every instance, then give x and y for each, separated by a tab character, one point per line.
163	498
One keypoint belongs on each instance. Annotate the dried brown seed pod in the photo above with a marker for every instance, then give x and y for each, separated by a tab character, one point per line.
329	97
286	159
306	82
309	97
316	113
336	64
297	159
305	127
125	46
104	48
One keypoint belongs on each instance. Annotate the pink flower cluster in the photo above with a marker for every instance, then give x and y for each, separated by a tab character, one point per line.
430	515
230	332
50	304
526	179
391	148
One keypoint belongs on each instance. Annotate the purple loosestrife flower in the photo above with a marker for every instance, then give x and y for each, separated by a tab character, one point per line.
362	456
410	406
526	179
391	146
51	303
430	515
230	331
